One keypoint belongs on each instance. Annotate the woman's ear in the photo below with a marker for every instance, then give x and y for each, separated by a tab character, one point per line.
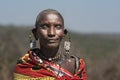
34	31
65	31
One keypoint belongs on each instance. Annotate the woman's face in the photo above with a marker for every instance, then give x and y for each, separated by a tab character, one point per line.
50	30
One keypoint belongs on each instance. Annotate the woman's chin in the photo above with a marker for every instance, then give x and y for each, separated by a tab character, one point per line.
52	45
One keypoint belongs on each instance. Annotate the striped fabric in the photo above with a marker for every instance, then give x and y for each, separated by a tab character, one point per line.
32	67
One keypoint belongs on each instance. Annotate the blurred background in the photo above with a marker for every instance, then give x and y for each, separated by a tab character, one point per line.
94	28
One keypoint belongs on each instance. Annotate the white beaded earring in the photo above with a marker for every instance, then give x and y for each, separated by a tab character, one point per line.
67	45
32	42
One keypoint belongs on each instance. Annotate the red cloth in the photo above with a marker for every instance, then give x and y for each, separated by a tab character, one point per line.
30	61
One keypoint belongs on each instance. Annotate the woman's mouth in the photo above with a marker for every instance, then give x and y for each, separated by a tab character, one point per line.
52	40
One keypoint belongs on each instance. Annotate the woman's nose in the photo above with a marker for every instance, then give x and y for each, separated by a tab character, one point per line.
51	32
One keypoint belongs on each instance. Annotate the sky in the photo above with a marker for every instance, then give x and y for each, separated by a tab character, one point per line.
85	16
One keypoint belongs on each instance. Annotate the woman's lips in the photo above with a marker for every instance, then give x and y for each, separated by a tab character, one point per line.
52	40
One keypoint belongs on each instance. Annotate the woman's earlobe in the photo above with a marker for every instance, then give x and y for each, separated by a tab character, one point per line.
65	31
34	31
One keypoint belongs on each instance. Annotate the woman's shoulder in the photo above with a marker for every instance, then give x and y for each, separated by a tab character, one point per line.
36	50
77	58
79	62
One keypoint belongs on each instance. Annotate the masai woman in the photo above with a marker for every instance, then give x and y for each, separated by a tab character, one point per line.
47	62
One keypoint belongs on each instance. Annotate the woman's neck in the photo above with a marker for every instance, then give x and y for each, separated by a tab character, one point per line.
49	52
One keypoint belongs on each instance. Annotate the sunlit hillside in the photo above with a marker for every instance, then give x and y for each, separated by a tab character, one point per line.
101	52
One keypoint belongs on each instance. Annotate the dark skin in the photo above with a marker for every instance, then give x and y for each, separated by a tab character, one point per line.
50	31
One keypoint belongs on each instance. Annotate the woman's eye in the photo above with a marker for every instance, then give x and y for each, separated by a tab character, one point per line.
58	26
44	26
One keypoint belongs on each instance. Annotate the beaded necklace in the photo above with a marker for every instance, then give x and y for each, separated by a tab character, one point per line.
50	59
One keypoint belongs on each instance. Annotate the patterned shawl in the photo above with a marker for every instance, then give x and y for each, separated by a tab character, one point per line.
32	67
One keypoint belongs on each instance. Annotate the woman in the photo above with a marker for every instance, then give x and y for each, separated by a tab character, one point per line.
47	63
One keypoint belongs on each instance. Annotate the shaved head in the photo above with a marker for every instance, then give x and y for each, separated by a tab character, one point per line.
42	14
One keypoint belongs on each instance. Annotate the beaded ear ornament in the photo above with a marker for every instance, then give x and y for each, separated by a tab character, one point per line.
67	45
32	42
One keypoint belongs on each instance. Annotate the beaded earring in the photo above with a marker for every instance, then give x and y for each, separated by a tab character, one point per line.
32	42
67	45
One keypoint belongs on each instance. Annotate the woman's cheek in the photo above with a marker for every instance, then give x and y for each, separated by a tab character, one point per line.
42	33
60	33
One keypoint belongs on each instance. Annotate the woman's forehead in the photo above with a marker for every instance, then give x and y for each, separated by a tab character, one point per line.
51	17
